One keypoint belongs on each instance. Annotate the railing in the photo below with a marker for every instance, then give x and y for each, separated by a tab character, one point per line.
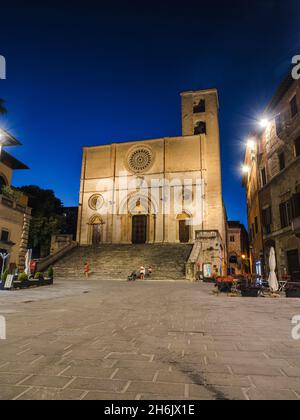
13	204
44	263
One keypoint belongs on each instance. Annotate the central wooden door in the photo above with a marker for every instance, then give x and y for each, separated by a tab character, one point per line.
96	235
184	232
139	229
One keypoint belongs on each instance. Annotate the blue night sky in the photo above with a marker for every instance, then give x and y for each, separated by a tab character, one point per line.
83	73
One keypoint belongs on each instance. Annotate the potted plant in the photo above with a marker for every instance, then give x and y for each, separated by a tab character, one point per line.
50	276
40	278
22	282
293	290
248	289
3	279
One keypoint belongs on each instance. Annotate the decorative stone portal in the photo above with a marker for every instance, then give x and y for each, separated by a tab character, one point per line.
139	229
96	231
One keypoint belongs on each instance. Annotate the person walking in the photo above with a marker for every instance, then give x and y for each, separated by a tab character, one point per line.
87	270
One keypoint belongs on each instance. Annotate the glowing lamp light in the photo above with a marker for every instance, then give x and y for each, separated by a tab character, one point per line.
251	144
264	122
245	169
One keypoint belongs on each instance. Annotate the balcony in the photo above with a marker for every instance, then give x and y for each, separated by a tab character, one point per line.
17	202
296	226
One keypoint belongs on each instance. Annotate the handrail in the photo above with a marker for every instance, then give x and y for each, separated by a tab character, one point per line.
44	263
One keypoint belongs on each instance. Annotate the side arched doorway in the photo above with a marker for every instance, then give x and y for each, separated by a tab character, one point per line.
184	228
96	231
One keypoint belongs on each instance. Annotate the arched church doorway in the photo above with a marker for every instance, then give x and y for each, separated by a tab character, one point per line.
184	227
96	230
96	235
184	231
139	229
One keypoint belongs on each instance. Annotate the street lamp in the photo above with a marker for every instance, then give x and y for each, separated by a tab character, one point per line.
264	122
245	169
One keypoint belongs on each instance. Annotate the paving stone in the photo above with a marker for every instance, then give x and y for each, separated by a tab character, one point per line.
11	378
227	380
51	394
255	370
136	374
47	381
89	372
157	388
8	392
200	392
292	372
266	394
92	384
106	396
277	383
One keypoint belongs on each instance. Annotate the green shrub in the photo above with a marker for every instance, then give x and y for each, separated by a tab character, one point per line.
50	273
39	276
22	277
4	275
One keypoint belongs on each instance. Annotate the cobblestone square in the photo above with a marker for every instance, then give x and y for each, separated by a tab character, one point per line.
153	340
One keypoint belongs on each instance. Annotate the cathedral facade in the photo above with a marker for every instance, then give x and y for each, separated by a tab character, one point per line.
165	190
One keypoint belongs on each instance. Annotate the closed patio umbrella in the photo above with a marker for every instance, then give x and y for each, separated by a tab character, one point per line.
273	282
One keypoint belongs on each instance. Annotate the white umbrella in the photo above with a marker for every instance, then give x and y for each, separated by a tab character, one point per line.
273	282
27	262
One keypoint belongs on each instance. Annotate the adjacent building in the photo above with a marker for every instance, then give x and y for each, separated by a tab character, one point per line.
14	211
165	190
238	248
272	181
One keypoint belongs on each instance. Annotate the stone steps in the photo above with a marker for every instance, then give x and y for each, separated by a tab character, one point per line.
109	262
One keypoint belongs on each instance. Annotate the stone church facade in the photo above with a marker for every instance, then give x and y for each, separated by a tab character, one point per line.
165	190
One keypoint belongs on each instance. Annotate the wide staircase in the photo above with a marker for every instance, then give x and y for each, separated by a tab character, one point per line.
116	262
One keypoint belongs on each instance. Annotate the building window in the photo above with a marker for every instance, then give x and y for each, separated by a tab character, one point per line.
294	106
200	108
3	182
297	147
256	225
281	158
200	128
285	214
4	235
296	205
264	177
232	239
253	230
267	220
279	124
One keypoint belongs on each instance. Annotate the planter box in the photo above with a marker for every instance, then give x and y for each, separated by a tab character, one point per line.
46	282
250	293
34	283
225	287
293	294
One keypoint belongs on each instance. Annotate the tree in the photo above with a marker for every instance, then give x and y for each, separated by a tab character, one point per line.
47	218
3	110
